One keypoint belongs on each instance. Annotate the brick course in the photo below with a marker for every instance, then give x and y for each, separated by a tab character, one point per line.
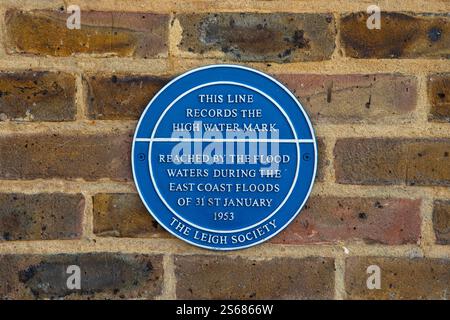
401	35
401	278
441	221
37	96
43	32
375	98
209	277
124	215
276	37
439	97
393	161
103	275
120	97
379	101
67	156
372	220
46	216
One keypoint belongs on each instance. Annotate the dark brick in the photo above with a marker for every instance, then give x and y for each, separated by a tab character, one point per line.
37	96
375	98
372	220
441	221
322	160
103	275
124	215
380	161
43	216
276	37
401	36
401	278
124	34
221	277
429	162
370	161
90	157
439	97
118	96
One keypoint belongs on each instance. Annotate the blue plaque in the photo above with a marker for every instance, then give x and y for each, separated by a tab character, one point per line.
224	157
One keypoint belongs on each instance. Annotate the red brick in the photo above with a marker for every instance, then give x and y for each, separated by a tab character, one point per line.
67	156
115	97
103	276
37	96
372	220
401	36
130	34
441	221
221	277
43	216
375	98
279	37
401	278
380	161
124	215
439	97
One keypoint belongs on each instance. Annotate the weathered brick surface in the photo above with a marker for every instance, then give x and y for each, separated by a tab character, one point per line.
393	161
276	37
439	97
37	96
401	36
115	97
124	215
375	98
372	220
221	277
125	34
90	157
69	100
370	161
441	221
322	160
43	216
401	278
103	275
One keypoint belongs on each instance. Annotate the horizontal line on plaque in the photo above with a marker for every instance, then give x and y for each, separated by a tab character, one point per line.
223	140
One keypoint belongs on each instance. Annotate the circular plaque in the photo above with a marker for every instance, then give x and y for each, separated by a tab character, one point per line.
224	157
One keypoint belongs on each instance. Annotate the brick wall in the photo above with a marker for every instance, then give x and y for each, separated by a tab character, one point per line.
379	101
